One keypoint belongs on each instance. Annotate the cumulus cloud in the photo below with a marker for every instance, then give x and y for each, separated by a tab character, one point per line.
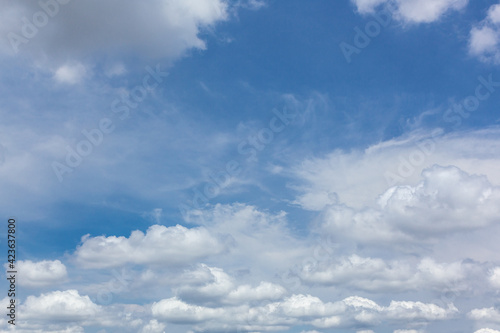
486	330
434	194
447	200
358	177
262	240
59	306
153	327
412	11
160	245
211	285
378	275
299	309
485	37
491	315
41	273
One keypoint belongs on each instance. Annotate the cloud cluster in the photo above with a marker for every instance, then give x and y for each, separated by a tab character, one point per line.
160	245
447	200
298	309
378	275
61	36
412	11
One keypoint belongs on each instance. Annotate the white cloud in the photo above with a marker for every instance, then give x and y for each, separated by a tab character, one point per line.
485	37
377	275
160	245
41	273
153	327
59	306
299	309
490	315
412	11
354	193
357	178
71	73
414	311
253	231
486	330
211	285
447	200
494	277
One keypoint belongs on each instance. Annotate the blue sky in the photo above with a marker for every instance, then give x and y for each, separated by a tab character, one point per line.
252	165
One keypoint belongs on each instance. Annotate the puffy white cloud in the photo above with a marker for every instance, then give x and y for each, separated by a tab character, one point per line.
414	311
412	11
262	240
41	273
377	275
358	177
491	315
59	306
264	291
445	200
160	245
299	309
485	37
153	327
486	330
211	285
177	311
